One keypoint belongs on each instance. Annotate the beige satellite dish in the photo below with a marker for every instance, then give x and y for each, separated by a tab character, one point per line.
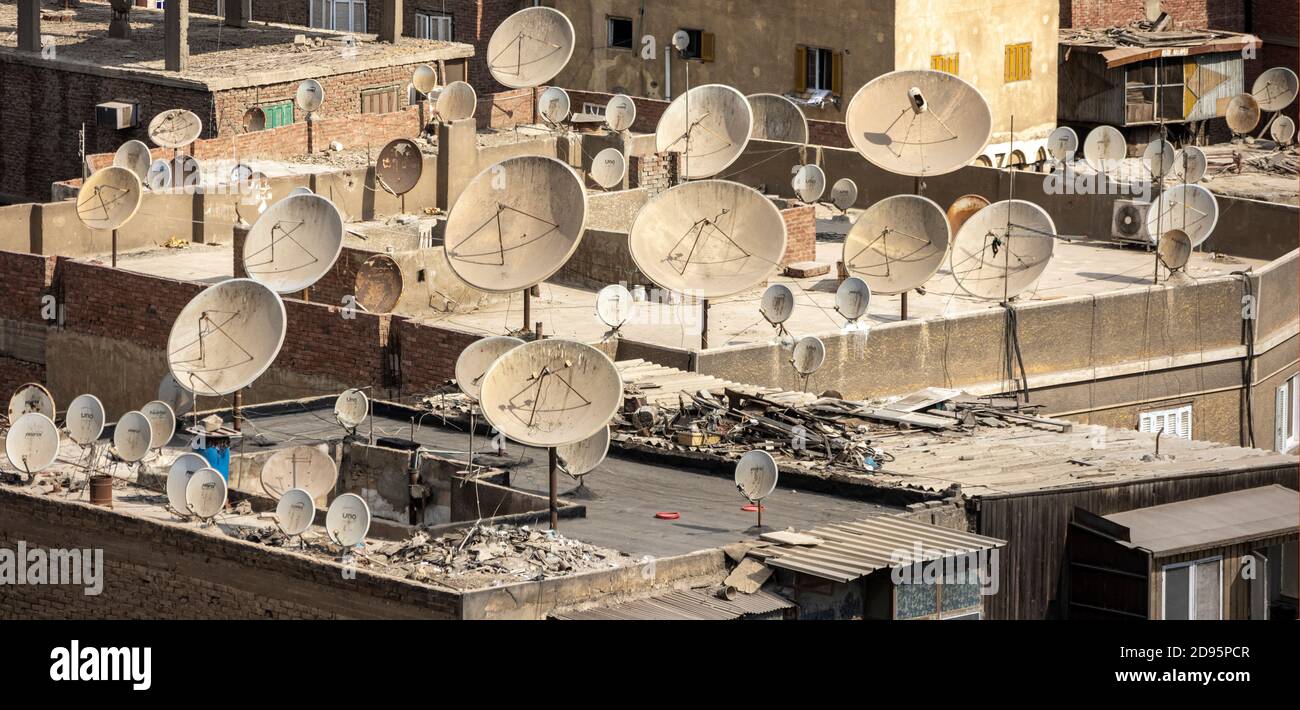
581	458
477	357
1192	164
32	443
852	299
809	183
777	304
294	243
1242	114
84	419
378	284
309	96
295	512
162	423
1174	249
175	128
348	520
31	397
205	494
620	113
919	122
1191	209
1104	148
178	398
1282	130
809	355
777	118
554	106
299	467
530	47
844	194
710	238
134	156
1159	158
226	337
1275	89
962	209
424	78
709	126
132	436
614	305
109	198
178	478
1003	249
1063	144
756	475
516	224
897	244
608	168
454	102
351	408
551	392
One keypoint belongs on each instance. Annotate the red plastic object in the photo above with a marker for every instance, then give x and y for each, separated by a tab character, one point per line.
668	516
751	508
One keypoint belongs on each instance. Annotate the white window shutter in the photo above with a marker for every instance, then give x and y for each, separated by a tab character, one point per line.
1281	411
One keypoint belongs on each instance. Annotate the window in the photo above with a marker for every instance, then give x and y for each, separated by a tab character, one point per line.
1193	590
701	46
945	63
1019	62
1286	416
817	69
278	114
338	15
593	109
1175	422
379	100
619	30
428	26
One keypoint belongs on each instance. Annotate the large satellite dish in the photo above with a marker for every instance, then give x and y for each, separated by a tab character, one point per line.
178	478
134	156
378	285
844	194
162	423
1003	249
919	122
530	47
777	118
205	494
131	436
620	113
84	419
351	408
553	105
516	224
309	96
710	238
1192	164
294	243
1275	89
608	168
1104	148
809	183
175	128
399	166
551	392
852	298
424	78
178	398
348	520
809	355
962	209
299	467
614	305
1242	114
1174	249
1282	130
756	475
897	244
583	457
477	357
777	304
454	102
1189	208
295	512
109	198
709	126
32	442
31	397
1159	158
1063	143
226	337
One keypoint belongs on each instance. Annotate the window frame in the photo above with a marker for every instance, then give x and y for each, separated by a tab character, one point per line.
1191	586
949	63
609	33
1286	412
813	69
429	22
313	19
394	89
1018	68
697	44
281	104
1156	416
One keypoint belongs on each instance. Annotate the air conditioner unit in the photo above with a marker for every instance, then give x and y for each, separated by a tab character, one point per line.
1129	221
118	115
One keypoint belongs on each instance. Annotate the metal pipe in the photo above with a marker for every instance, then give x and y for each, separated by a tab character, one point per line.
704	325
555	502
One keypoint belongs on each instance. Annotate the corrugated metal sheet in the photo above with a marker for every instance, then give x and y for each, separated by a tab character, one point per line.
1217	78
1213	521
685	605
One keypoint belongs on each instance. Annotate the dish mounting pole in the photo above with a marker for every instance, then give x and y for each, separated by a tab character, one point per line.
554	461
704	324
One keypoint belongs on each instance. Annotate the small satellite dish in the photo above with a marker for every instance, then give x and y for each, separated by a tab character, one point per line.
777	118
1063	144
1191	209
897	244
777	304
295	512
554	106
551	392
1282	130
178	478
109	198
809	183
84	419
919	122
614	305
162	423
31	397
399	166
254	119
477	357
299	467
1275	89
160	175
1242	114
351	408
424	78
844	194
294	243
175	128
134	156
309	96
709	126
348	520
1003	249
32	442
131	436
852	298
962	209
756	475
516	224
205	494
454	102
620	113
809	355
1192	164
608	168
1174	249
710	238
681	40
178	398
584	456
1159	158
226	337
530	47
378	285
1104	148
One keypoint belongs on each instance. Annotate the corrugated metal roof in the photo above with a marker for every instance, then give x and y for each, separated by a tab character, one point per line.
853	550
1212	521
685	605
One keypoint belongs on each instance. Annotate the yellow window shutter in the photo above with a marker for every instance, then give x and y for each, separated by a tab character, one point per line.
800	68
707	40
837	73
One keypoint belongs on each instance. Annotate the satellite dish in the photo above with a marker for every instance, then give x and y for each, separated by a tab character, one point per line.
132	436
962	209
378	285
399	166
551	392
844	194
919	122
530	47
31	397
351	408
1282	130
160	175
1192	164
516	224
1159	158
777	304
1003	249
897	244
614	305
309	96
681	40
178	478
424	78
304	190
178	398
348	520
1191	209
608	168
185	171
777	118
809	355
109	198
162	423
1104	148
709	125
1063	144
710	238
84	419
477	357
205	494
254	119
226	337
1242	113
299	467
1275	89
553	105
294	243
295	512
32	443
241	174
584	456
620	113
134	156
454	102
756	475
852	298
1174	249
809	183
175	128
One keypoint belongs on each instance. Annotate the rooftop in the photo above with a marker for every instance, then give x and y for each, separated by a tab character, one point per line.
1144	40
1213	521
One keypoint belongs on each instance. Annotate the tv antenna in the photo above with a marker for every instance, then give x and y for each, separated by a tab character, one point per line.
608	168
132	436
456	101
1242	115
351	409
1191	209
554	106
1104	149
134	156
399	167
1273	91
1192	164
84	422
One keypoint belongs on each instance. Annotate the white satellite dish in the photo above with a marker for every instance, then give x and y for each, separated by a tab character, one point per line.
134	156
897	244
162	423
777	304
131	436
583	457
424	78
295	512
809	183
620	113
1282	130
681	40
1191	209
178	478
310	96
530	47
777	118
109	198
1063	144
1159	158
1104	148
304	467
852	298
709	126
304	190
241	174
477	357
554	106
608	168
159	176
351	408
1275	89
175	128
844	194
614	305
1192	164
32	443
809	355
756	475
1002	250
178	398
348	520
294	243
31	397
84	419
456	101
205	494
551	392
226	337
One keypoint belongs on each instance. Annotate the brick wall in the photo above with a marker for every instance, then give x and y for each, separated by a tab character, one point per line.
830	133
320	341
656	172
111	303
1192	14
801	234
428	353
508	108
15	372
24	280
